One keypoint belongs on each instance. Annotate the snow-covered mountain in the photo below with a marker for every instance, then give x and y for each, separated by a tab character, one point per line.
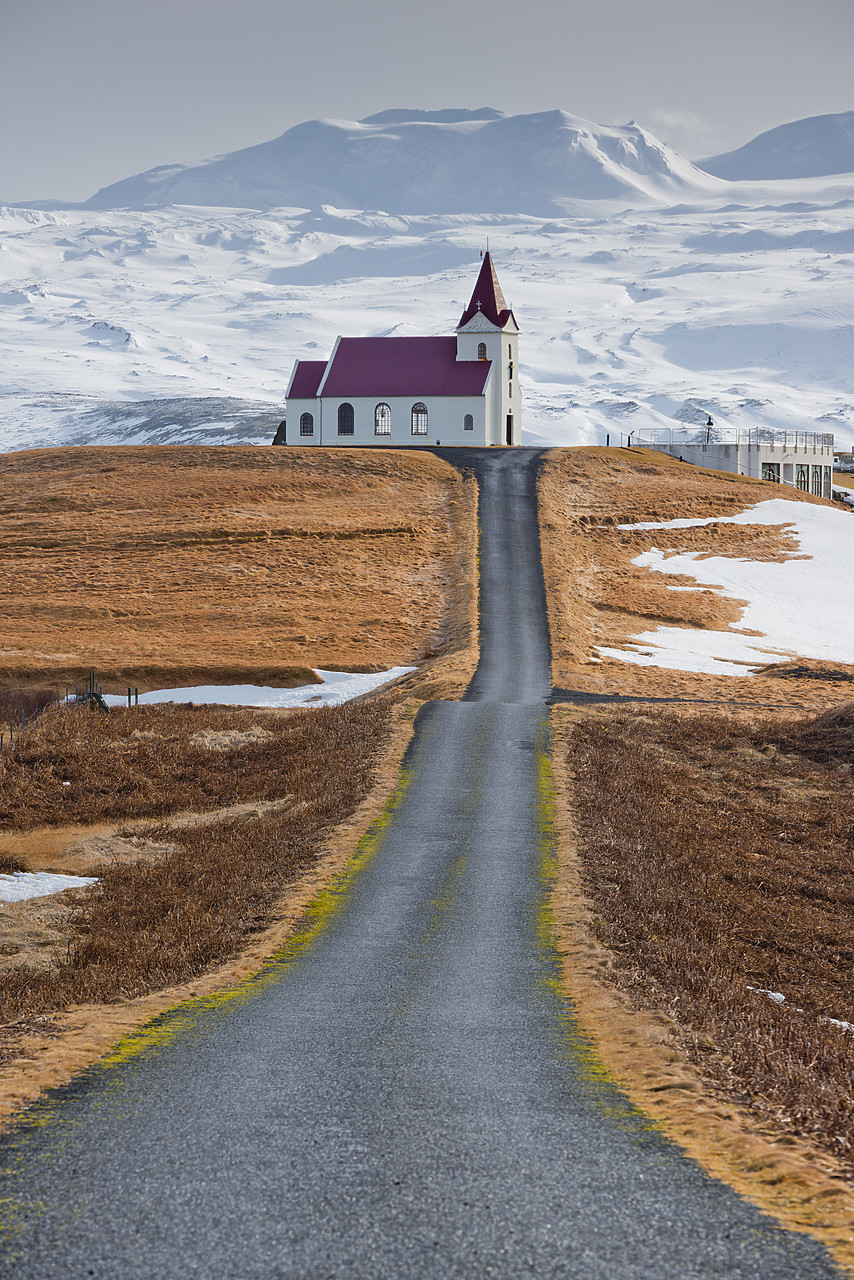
688	295
426	162
182	324
810	148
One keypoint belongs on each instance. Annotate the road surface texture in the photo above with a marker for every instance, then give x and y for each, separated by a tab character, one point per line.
408	1096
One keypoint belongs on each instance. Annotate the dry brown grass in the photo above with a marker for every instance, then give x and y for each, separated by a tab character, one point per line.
155	921
80	766
717	854
181	565
598	597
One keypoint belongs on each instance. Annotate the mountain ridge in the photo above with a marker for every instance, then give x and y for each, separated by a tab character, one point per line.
812	147
411	161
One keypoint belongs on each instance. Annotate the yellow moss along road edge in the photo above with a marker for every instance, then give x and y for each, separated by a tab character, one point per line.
87	1034
802	1187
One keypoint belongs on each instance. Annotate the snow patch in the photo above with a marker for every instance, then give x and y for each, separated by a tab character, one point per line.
799	607
21	885
337	687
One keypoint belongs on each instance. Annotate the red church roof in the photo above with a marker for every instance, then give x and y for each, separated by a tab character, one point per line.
487	297
386	367
306	379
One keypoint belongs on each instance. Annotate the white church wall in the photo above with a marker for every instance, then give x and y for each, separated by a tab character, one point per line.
445	421
294	410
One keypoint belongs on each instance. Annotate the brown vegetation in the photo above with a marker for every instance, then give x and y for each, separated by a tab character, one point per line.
79	766
598	597
164	566
157	920
716	852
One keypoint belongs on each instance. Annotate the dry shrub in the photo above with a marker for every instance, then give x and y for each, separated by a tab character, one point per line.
151	924
146	762
718	858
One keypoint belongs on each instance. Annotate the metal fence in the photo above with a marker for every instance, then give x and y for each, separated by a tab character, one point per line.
710	437
90	694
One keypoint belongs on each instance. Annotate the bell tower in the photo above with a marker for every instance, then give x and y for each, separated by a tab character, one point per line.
488	331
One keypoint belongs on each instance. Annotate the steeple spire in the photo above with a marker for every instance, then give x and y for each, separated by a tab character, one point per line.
487	297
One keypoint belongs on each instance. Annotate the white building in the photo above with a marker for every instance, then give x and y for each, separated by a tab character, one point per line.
803	459
461	390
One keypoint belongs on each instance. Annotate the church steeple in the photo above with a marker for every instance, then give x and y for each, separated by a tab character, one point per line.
488	331
487	298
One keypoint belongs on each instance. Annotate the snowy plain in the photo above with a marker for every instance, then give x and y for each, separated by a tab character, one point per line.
681	295
337	687
815	576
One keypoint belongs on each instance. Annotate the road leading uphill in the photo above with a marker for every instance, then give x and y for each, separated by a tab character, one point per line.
408	1096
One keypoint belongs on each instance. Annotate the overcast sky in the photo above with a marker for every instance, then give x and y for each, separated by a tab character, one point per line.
95	90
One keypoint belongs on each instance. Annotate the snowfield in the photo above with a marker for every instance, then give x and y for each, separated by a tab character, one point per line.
801	607
678	295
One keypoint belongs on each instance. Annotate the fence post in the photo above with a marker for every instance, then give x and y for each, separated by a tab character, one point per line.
136	695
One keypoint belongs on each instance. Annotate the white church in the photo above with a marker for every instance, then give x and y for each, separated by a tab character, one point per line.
461	390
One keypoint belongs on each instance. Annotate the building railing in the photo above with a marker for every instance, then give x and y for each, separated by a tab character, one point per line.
711	437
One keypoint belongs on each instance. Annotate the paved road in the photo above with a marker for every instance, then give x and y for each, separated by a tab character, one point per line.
411	1099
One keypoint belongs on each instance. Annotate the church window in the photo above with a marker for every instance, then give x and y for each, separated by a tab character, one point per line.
346	419
306	425
382	420
481	351
419	419
468	423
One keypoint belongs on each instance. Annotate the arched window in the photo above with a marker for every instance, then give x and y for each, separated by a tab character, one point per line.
802	477
346	419
481	351
419	419
306	425
468	423
382	420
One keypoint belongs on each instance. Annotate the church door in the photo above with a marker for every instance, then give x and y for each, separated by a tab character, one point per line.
510	428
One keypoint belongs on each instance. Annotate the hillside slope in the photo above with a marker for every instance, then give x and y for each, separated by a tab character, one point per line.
168	567
628	617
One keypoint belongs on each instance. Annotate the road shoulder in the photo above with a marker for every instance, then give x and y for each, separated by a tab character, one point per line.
798	1184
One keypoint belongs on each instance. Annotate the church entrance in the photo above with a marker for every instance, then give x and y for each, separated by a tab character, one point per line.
510	428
